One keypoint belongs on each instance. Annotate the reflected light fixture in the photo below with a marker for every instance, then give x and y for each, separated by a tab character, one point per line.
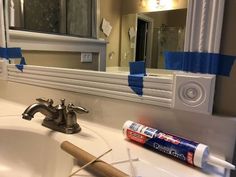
143	3
153	4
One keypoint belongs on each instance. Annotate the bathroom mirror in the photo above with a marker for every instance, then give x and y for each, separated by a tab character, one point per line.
107	51
60	19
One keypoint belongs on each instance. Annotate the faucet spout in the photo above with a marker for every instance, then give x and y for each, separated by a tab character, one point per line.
60	118
44	109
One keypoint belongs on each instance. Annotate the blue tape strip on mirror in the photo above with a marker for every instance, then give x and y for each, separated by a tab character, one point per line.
199	62
10	52
14	52
135	79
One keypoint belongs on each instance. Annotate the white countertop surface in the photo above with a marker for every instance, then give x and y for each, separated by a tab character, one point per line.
96	139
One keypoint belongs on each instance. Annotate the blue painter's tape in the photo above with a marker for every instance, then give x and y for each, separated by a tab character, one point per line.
137	67
10	52
135	79
136	83
21	65
14	52
199	62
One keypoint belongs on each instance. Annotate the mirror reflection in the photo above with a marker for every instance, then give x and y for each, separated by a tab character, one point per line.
146	36
141	29
54	16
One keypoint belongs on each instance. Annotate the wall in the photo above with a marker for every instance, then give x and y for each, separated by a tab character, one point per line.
111	11
225	95
59	59
225	92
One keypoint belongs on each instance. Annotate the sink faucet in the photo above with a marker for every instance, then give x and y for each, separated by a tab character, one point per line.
60	118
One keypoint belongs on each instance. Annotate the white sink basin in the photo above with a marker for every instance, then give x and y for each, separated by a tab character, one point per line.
29	154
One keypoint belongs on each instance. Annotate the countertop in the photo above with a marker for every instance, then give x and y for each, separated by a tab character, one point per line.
96	139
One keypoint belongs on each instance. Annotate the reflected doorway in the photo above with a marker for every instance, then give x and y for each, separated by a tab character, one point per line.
141	43
144	39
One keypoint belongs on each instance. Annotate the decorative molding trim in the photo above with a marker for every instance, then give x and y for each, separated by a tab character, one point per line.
157	90
3	69
2	26
204	25
194	92
180	90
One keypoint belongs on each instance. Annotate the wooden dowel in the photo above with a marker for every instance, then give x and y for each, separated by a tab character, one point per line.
100	167
89	163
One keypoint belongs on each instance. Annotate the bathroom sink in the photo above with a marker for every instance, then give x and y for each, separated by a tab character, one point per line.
29	154
28	149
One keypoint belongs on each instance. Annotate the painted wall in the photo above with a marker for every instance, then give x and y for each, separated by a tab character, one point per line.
225	92
225	95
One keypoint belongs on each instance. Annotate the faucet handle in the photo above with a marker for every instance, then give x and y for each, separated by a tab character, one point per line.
49	102
78	109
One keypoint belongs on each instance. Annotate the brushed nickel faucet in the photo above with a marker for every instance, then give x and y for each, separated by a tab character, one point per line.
60	118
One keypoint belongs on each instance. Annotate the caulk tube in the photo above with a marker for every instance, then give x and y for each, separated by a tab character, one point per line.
190	152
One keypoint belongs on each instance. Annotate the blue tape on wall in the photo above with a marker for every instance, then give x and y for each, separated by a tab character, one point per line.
135	79
199	62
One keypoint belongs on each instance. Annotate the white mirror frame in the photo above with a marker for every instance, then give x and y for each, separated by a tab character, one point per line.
203	18
2	26
204	25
